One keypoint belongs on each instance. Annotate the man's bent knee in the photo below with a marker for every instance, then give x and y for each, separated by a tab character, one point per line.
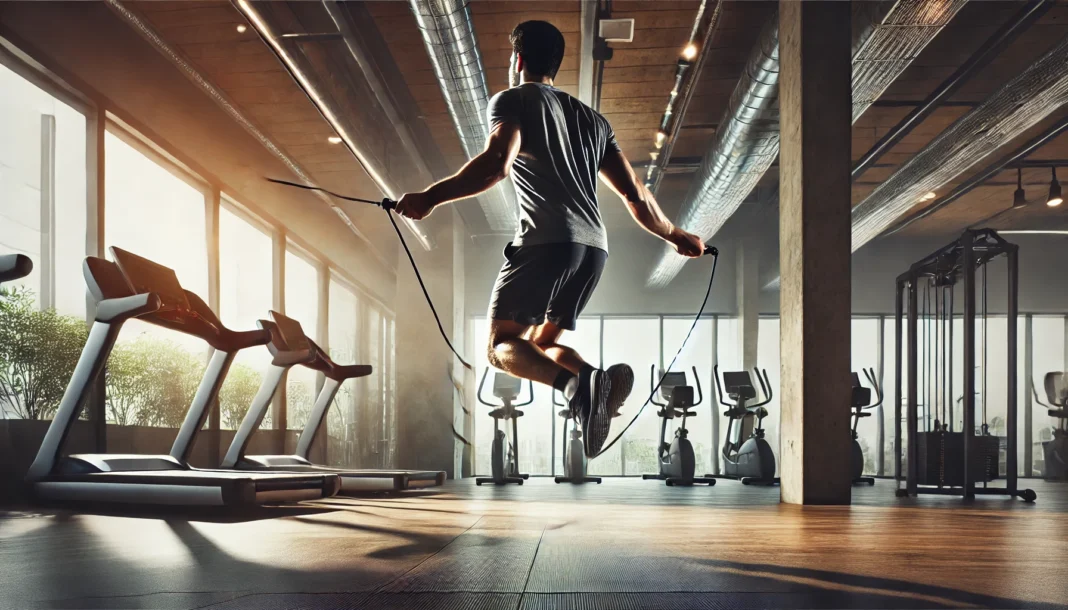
500	332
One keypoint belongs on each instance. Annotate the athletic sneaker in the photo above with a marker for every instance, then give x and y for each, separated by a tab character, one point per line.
590	405
621	379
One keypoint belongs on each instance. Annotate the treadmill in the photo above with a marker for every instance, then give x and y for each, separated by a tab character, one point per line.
14	266
289	346
134	287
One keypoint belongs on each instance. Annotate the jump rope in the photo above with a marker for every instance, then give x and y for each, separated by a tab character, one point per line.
388	205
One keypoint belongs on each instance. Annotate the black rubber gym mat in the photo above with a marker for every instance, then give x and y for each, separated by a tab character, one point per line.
475	561
379	601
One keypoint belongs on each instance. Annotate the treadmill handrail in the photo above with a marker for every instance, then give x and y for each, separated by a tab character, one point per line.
14	266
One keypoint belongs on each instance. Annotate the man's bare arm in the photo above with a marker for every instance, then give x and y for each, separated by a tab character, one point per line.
620	177
478	175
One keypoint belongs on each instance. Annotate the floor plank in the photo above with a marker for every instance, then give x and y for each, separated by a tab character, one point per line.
624	544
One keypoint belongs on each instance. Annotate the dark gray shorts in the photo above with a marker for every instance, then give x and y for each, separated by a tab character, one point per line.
546	281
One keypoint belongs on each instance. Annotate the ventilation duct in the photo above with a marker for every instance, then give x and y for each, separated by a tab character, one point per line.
449	36
1019	105
887	37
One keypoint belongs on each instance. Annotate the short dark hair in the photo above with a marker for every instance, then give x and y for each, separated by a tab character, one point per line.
541	45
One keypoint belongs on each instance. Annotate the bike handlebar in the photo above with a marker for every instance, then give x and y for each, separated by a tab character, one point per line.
482	383
870	374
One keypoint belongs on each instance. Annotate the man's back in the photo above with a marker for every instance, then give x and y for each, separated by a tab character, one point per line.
562	144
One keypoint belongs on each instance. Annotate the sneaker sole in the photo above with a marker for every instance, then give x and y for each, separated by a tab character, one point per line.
595	432
621	377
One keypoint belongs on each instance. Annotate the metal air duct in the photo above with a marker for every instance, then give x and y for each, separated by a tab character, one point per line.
1020	104
887	37
449	36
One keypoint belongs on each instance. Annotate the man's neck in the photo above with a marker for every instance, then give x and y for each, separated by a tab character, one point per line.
525	78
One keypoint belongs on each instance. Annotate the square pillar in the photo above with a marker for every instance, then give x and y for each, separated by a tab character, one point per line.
815	97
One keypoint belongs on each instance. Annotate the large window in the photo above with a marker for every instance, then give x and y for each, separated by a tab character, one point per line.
768	359
302	304
864	336
153	372
42	215
698	355
1049	356
348	432
246	294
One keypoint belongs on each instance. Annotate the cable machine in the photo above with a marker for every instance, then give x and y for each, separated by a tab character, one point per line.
944	458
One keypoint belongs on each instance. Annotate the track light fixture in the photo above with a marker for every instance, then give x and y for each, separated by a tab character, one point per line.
1019	199
1055	198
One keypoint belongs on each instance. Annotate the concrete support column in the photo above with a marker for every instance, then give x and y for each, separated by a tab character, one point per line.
814	233
426	401
748	294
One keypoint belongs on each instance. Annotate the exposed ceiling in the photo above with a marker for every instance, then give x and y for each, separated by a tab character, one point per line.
634	91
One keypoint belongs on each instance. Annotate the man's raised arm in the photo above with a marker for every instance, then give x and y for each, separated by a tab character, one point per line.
619	175
479	174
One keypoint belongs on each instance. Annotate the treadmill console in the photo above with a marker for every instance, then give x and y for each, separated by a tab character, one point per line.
292	333
143	275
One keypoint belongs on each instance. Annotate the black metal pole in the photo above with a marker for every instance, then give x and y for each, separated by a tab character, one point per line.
897	383
968	267
952	403
990	49
1029	376
1010	424
913	410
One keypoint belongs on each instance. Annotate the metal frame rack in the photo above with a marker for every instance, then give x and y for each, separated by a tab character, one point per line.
941	271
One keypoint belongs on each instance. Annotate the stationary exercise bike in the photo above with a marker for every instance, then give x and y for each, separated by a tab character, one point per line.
504	460
575	461
860	401
1055	451
751	459
676	459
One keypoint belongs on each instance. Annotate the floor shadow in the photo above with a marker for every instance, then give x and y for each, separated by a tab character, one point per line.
418	544
207	514
894	592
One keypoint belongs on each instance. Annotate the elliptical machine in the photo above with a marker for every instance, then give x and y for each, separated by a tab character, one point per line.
574	453
504	461
676	459
748	458
1055	450
861	400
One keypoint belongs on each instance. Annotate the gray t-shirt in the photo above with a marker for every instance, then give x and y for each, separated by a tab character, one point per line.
555	174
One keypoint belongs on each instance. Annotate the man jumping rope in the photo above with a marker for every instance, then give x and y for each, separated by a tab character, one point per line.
553	147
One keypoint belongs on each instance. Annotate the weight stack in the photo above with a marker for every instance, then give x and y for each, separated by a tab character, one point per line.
940	459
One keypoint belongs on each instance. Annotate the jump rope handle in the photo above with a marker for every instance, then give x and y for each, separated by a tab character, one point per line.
388	204
714	251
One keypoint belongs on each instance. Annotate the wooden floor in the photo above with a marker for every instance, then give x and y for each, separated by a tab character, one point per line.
624	544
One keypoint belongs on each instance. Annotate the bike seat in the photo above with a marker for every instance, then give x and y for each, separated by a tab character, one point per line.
863	414
1061	413
759	411
565	413
683	412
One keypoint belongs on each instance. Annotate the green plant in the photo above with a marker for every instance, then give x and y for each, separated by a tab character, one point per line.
298	402
241	385
38	353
